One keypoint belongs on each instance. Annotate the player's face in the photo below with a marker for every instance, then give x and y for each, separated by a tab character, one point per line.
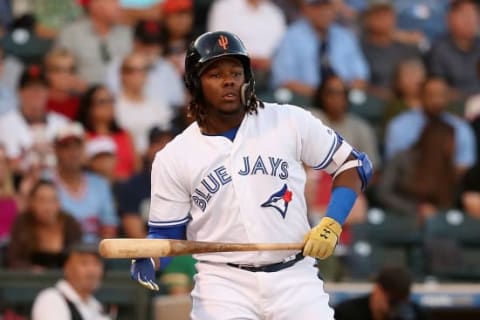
221	83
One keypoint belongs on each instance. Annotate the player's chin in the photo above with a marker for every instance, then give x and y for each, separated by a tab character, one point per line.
230	108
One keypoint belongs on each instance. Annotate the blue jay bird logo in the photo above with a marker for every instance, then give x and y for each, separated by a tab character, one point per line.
279	200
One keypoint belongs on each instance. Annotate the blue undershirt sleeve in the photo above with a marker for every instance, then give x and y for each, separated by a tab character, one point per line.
168	232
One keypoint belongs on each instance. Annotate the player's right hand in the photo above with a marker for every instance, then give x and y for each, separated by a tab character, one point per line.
320	242
143	271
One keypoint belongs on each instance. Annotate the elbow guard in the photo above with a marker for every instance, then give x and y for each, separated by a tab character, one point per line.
363	165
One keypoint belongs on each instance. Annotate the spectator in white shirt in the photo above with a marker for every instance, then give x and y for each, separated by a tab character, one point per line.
259	23
134	110
72	297
27	132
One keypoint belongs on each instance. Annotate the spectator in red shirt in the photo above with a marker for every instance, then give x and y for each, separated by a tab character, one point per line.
96	114
63	82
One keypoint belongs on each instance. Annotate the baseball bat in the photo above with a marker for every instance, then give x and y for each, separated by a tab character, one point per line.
144	248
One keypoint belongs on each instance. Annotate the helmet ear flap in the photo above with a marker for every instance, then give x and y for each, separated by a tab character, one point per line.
247	91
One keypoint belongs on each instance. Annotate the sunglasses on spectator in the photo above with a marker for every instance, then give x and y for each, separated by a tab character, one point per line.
133	69
104	101
59	69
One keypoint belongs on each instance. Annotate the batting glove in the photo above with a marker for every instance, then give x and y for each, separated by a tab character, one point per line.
143	271
322	239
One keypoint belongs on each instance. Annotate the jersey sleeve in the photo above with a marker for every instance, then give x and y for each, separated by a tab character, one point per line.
170	200
318	142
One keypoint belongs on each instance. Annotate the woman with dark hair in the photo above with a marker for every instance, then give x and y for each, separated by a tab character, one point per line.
422	180
43	232
96	114
408	77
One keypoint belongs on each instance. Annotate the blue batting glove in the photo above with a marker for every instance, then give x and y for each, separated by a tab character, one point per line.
143	271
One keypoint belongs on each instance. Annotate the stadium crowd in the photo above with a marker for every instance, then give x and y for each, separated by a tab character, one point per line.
90	90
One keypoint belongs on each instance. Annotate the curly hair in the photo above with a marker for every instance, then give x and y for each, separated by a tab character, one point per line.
197	110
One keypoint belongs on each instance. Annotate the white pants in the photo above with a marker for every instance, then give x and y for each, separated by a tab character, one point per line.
222	292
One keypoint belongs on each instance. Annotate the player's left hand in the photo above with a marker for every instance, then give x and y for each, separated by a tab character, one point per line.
143	271
322	239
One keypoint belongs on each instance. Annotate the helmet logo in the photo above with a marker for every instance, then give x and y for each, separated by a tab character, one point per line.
223	42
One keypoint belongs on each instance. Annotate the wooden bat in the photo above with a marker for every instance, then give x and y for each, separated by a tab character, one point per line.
144	248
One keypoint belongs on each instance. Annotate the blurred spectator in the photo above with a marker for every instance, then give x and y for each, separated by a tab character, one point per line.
72	297
314	47
331	106
5	16
135	10
422	180
27	132
455	56
178	17
102	157
434	98
52	15
12	69
259	23
381	50
420	22
85	195
42	233
470	195
388	300
290	9
8	199
133	196
8	99
96	114
23	42
349	11
134	110
163	81
407	81
96	39
63	82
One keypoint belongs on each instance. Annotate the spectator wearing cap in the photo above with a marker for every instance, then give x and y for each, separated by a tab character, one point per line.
23	42
134	110
42	233
163	81
72	296
389	299
96	114
178	17
454	56
102	157
96	39
133	195
27	132
259	23
63	82
382	51
85	195
314	47
8	99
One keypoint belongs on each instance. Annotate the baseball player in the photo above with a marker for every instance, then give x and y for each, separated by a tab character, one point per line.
237	175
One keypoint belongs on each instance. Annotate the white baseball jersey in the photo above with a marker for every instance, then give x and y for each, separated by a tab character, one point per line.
247	190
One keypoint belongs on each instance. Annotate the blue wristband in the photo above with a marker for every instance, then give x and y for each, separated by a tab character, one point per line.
171	232
341	202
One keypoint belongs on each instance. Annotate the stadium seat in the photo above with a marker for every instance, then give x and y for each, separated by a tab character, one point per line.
452	246
385	239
